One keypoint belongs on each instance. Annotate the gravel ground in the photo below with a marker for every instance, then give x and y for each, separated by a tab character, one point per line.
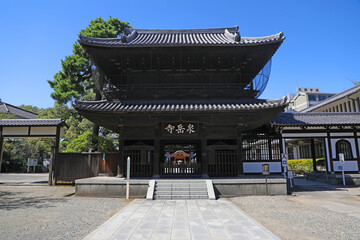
43	212
307	215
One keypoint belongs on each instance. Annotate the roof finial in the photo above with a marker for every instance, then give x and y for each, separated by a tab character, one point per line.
123	38
237	37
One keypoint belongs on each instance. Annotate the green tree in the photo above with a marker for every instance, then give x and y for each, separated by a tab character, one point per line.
84	142
30	108
79	78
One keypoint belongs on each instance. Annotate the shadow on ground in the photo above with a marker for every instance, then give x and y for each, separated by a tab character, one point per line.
303	185
11	201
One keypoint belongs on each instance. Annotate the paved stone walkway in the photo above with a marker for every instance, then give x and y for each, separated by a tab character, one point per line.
180	220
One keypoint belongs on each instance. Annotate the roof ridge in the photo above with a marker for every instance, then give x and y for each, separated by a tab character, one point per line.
187	30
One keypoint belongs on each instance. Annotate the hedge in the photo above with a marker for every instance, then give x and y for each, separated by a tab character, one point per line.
302	166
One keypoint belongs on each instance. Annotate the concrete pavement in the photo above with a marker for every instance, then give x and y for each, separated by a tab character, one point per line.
24	178
181	219
334	198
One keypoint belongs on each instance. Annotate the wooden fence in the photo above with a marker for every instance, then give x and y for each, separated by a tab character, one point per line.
71	166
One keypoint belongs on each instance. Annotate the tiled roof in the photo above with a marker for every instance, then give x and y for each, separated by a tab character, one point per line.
18	112
31	122
316	119
180	37
334	98
179	106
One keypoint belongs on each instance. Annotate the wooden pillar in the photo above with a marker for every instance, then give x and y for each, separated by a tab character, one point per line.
55	155
357	148
1	146
51	166
282	149
270	149
156	173
120	166
313	155
240	162
330	152
204	159
57	139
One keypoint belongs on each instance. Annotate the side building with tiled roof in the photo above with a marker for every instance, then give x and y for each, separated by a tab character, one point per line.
11	111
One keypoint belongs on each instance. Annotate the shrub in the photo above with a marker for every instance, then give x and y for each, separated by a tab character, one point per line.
303	166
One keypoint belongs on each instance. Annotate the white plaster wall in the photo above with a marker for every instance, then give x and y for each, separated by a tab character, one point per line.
43	131
344	134
256	167
350	166
297	135
62	132
12	131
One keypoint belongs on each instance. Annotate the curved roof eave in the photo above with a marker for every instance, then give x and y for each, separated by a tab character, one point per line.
176	38
179	106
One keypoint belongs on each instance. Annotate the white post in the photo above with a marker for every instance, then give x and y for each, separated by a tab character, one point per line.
128	178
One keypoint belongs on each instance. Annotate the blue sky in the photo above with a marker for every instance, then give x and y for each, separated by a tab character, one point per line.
322	46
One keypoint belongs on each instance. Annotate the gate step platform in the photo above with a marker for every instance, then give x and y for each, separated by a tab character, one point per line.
180	189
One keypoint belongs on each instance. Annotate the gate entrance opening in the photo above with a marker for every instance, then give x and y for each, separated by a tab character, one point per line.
180	159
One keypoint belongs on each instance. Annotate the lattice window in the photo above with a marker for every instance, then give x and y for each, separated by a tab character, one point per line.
344	146
275	149
256	150
261	150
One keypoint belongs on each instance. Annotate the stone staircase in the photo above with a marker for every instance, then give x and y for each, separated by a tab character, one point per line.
182	189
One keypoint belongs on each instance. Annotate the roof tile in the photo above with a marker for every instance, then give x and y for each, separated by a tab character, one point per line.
176	37
316	119
179	106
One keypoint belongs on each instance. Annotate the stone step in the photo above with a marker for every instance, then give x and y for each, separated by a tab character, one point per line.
184	197
185	186
180	188
181	193
170	189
